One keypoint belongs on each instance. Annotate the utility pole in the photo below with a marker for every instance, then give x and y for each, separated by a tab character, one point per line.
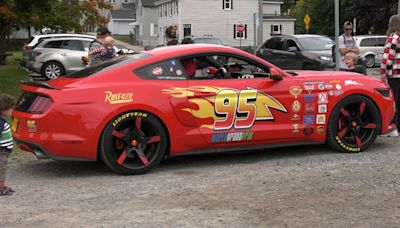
337	55
398	7
260	37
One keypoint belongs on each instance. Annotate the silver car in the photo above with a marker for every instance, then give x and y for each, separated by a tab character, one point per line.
58	56
369	46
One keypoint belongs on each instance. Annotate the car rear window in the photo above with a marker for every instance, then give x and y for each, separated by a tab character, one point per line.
107	65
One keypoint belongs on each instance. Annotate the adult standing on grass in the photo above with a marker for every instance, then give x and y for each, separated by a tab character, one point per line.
98	49
7	103
390	65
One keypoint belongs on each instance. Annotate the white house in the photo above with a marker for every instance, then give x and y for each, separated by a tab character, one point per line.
222	18
120	20
146	24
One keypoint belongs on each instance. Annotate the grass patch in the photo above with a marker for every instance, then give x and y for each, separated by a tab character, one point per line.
11	75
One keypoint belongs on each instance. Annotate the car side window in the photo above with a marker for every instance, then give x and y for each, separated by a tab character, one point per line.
86	45
272	43
167	70
291	45
221	67
74	45
53	44
380	42
367	42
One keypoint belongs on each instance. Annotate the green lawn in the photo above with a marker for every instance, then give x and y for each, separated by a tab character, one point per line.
10	77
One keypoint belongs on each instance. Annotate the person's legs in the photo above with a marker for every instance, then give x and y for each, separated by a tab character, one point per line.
4	190
395	85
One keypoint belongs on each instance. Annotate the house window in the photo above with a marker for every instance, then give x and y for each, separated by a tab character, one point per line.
111	1
276	29
176	7
240	31
165	10
170	9
227	4
160	10
153	29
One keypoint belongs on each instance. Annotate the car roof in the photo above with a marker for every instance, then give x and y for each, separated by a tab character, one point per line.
67	38
63	35
186	49
369	36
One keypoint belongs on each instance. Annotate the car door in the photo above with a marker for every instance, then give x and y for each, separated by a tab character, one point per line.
244	105
271	51
71	52
293	60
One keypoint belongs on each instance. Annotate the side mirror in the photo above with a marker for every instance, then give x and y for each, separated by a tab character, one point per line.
292	49
274	74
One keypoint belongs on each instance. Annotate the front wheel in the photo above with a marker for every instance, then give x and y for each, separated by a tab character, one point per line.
369	61
133	143
354	124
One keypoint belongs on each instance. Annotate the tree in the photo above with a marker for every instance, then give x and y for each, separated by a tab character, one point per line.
373	16
64	15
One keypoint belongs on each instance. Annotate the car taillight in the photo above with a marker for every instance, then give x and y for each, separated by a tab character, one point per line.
33	103
27	47
40	105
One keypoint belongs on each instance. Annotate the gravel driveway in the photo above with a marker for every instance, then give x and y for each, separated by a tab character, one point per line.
310	186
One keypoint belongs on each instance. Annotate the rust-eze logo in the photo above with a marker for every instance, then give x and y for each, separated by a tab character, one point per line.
118	98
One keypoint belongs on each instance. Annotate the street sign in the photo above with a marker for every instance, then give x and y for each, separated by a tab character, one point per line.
307	19
240	28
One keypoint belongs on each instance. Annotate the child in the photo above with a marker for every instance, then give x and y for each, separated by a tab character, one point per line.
108	52
6	142
351	60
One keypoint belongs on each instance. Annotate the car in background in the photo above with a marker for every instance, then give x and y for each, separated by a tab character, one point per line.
134	111
369	46
55	57
206	40
298	52
36	39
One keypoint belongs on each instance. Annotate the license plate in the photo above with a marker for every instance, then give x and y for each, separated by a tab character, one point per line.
14	125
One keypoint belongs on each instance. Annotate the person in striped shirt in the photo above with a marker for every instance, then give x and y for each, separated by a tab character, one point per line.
6	141
390	66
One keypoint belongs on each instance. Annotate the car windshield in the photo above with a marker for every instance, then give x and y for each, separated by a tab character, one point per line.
207	41
316	43
107	65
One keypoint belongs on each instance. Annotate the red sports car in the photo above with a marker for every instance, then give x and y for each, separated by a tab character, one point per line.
134	111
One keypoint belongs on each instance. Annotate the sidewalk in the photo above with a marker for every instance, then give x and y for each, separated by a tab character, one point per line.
135	48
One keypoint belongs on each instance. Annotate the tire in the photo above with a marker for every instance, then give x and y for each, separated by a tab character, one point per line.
354	124
369	61
133	143
52	70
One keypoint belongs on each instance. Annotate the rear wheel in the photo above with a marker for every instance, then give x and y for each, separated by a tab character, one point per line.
133	143
52	70
369	61
354	124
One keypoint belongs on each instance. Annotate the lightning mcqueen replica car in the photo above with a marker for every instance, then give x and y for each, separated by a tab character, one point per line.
134	111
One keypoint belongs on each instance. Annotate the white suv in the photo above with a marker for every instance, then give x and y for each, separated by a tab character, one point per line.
369	46
36	39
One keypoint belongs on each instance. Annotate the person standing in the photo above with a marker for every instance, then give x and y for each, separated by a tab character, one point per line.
7	103
97	48
170	35
390	65
347	44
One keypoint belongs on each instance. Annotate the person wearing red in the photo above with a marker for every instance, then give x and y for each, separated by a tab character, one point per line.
390	65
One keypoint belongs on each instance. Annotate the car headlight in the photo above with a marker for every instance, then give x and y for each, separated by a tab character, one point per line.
326	58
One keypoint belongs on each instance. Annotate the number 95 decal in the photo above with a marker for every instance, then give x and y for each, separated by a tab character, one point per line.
240	109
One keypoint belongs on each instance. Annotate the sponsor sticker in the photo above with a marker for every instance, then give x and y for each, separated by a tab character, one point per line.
320	130
232	137
328	86
296	117
295	128
309	98
309	107
179	72
309	119
338	86
352	82
295	91
322	98
296	106
31	124
118	98
157	71
308	130
322	108
321	86
321	118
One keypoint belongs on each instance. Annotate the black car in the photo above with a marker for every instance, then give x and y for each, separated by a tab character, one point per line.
298	52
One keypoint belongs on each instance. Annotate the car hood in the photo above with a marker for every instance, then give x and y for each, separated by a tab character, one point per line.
318	53
307	75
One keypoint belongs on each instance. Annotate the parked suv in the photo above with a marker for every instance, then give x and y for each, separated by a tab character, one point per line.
36	39
298	52
58	56
369	47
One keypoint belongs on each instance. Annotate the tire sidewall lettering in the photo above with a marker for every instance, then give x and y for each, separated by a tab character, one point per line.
128	115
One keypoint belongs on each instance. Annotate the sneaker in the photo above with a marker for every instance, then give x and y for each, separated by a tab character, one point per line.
393	133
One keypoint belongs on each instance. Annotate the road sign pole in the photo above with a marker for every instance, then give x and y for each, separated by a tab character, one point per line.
337	55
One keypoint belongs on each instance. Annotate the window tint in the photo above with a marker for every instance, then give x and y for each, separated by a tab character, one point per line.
291	43
75	45
367	42
53	44
274	43
167	70
380	42
107	65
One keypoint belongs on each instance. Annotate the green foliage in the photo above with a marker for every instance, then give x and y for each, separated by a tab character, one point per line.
11	75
